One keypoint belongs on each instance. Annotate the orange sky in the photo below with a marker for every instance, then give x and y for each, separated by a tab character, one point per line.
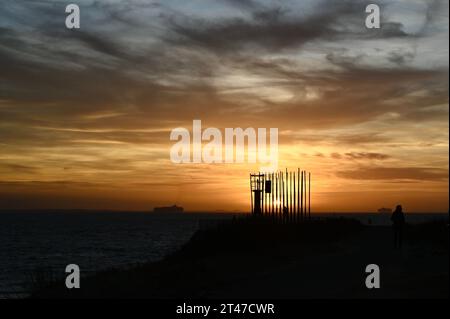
86	115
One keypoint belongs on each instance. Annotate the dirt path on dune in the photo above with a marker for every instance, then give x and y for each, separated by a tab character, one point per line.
414	271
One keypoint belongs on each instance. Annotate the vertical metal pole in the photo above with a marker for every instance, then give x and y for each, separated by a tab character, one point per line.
279	194
269	203
258	188
301	196
289	193
268	195
287	190
294	196
304	176
262	193
251	194
273	192
303	191
298	193
276	194
266	177
290	196
284	193
283	177
309	195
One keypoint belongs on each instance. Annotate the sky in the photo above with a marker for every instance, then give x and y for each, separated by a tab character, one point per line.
86	114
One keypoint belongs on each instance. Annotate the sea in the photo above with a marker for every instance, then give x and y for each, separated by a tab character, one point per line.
39	242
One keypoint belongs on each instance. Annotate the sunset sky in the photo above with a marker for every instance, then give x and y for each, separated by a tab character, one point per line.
86	114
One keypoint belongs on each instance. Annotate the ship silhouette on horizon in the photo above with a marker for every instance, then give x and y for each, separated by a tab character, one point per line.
168	209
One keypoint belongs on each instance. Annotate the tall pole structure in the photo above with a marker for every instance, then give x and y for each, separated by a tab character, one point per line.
304	176
273	193
263	194
290	194
309	195
287	190
251	194
279	193
298	193
284	194
293	195
301	196
276	194
280	200
287	193
268	194
294	214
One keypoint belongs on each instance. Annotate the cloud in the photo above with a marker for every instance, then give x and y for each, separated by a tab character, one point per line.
395	173
360	156
401	58
335	155
276	28
244	4
366	155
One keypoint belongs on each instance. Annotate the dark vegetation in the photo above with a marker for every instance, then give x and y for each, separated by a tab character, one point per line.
248	250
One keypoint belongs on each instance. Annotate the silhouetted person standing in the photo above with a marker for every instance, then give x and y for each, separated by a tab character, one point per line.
398	222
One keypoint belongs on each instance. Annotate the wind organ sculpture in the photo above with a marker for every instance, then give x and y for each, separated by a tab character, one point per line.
281	195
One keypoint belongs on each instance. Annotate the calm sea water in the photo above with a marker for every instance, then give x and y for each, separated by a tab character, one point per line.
40	241
34	241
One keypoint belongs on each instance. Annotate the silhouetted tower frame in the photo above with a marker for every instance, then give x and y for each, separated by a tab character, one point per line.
257	193
282	195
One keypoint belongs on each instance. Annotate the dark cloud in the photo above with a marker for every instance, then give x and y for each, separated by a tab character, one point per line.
395	173
244	4
362	139
272	29
366	155
389	30
319	155
335	155
11	167
356	156
401	58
